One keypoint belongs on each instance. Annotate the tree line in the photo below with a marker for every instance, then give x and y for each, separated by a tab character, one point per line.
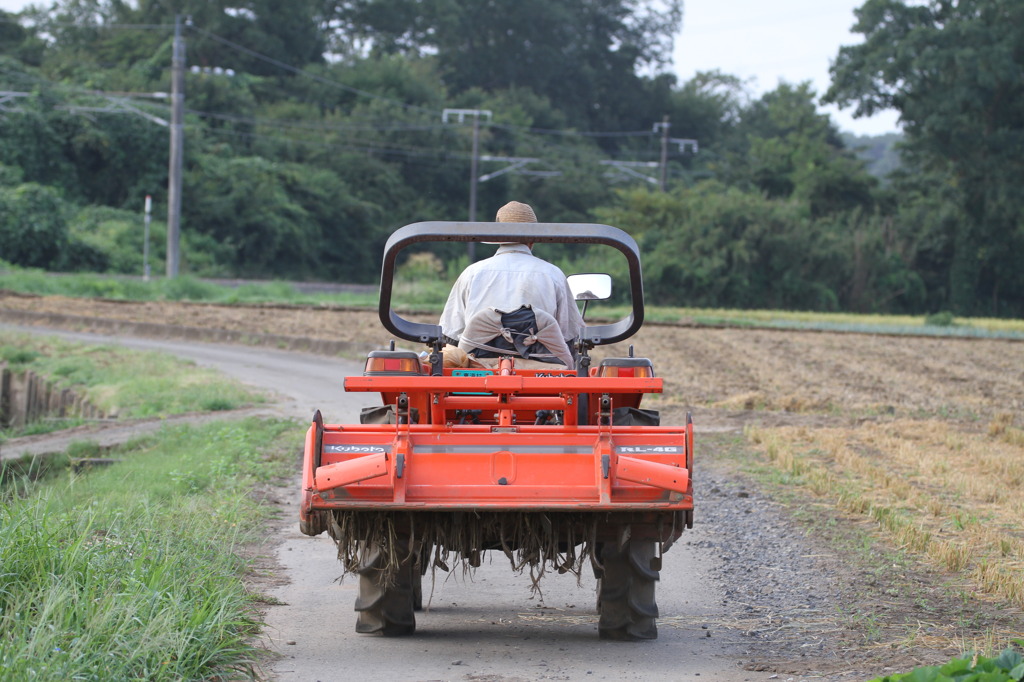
314	128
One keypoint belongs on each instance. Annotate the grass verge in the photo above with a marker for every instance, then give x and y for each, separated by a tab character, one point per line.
135	571
184	288
121	382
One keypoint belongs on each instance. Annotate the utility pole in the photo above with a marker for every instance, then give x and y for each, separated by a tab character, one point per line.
663	168
474	161
461	115
473	164
177	150
145	239
682	143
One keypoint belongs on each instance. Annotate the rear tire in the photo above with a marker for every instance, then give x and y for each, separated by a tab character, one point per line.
383	606
626	603
417	591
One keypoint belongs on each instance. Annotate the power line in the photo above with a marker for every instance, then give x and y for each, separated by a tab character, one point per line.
572	133
300	72
402	151
70	24
365	93
411	153
312	125
348	88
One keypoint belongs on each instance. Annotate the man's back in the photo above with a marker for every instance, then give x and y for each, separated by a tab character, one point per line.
510	279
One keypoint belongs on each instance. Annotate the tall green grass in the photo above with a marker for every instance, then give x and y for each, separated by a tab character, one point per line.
136	571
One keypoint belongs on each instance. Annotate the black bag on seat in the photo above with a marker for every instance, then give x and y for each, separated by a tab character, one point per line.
521	323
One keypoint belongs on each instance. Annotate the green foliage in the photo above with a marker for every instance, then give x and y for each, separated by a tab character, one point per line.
789	150
135	571
111	240
9	175
971	667
574	52
422	265
952	70
710	244
17	355
288	219
32	225
187	288
83	448
107	158
878	273
940	319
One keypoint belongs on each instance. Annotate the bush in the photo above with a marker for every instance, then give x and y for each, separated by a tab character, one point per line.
940	319
33	230
111	240
1007	667
713	246
17	356
420	266
189	289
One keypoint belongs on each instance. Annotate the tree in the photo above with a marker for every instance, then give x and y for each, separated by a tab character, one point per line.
33	230
707	107
953	70
18	41
716	246
786	148
105	158
583	55
288	32
281	220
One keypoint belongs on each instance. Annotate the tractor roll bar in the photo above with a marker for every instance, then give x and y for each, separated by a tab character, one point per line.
562	233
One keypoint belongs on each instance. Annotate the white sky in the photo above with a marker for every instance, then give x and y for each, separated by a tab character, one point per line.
768	41
764	41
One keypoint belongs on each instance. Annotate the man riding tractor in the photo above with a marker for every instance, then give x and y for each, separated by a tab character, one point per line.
512	301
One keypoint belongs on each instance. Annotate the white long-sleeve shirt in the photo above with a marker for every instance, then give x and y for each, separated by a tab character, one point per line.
511	278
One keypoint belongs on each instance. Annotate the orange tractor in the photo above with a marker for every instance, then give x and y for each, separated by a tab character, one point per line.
554	468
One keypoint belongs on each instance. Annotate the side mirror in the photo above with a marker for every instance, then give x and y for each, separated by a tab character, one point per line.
591	286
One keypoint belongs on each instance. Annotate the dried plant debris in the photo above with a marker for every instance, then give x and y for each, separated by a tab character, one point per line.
534	541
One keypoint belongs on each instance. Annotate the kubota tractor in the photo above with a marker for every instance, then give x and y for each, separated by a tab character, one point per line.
553	468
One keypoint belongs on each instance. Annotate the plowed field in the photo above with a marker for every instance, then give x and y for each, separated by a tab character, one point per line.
731	370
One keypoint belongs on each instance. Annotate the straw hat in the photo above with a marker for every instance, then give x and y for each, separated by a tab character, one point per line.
514	212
